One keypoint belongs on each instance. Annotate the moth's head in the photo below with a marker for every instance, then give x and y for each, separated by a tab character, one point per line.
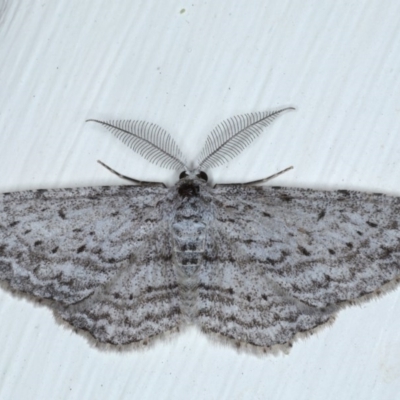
190	183
194	175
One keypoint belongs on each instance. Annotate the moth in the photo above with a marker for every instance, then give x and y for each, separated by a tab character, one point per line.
249	265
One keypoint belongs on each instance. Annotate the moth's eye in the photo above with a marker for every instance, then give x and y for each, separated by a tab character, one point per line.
183	174
202	175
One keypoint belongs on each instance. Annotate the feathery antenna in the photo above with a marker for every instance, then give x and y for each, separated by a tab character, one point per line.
149	140
232	136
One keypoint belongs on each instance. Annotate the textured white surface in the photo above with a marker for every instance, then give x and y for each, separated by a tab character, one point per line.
187	66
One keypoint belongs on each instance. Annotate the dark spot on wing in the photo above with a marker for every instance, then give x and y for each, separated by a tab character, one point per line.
359	233
38	242
321	214
111	260
61	213
131	297
285	197
115	213
116	295
80	249
372	224
393	225
205	287
271	261
267	215
55	250
93	196
264	297
295	287
304	251
2	248
349	245
77	230
27	231
248	297
386	252
14	223
222	219
331	251
147	220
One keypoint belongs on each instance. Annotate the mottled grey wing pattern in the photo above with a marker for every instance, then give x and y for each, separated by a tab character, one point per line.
289	259
74	247
254	266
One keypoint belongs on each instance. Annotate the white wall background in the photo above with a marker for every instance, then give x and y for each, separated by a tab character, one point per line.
187	65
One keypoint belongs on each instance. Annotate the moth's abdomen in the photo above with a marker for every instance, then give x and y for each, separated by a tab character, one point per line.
189	244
